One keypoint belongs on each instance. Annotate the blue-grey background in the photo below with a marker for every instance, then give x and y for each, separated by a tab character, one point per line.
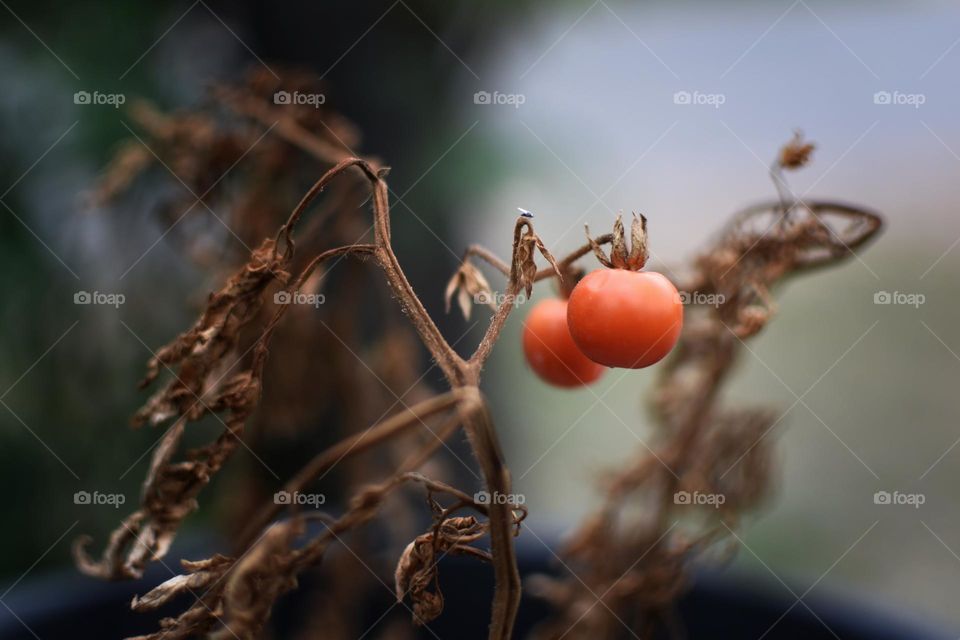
598	130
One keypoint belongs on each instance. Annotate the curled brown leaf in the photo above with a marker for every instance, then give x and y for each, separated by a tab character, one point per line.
470	286
796	153
416	573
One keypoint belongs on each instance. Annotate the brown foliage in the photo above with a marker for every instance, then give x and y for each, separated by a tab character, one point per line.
636	564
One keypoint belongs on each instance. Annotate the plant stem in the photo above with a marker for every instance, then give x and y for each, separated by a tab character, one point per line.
350	446
506	598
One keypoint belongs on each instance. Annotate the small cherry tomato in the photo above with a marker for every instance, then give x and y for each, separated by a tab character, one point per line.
550	350
624	318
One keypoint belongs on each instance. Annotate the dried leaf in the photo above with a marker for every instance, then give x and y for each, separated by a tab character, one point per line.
707	447
796	153
202	355
127	164
524	268
200	575
416	572
261	576
471	286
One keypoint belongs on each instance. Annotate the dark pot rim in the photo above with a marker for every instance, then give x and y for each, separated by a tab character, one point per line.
722	603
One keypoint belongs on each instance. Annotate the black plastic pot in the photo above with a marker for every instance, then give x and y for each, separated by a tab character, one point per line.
720	606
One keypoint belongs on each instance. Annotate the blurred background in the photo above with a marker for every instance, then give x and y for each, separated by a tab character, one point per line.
573	111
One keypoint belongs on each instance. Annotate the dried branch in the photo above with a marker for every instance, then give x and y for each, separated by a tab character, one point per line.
706	449
216	368
170	489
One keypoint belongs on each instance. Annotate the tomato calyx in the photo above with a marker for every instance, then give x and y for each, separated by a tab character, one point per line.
620	257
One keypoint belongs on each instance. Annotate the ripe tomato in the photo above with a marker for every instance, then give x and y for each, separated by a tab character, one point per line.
623	318
550	350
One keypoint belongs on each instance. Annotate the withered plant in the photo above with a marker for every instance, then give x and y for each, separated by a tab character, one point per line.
218	367
631	556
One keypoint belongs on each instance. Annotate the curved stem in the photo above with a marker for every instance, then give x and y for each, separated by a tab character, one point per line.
487	256
478	426
350	446
462	375
446	358
260	353
506	596
280	122
499	319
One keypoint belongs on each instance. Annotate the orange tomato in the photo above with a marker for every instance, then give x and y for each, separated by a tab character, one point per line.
551	352
622	318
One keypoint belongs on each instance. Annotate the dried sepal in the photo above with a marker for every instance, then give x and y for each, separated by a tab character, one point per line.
638	242
622	257
597	249
469	285
618	246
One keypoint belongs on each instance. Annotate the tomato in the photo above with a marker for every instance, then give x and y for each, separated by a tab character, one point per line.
624	318
550	350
